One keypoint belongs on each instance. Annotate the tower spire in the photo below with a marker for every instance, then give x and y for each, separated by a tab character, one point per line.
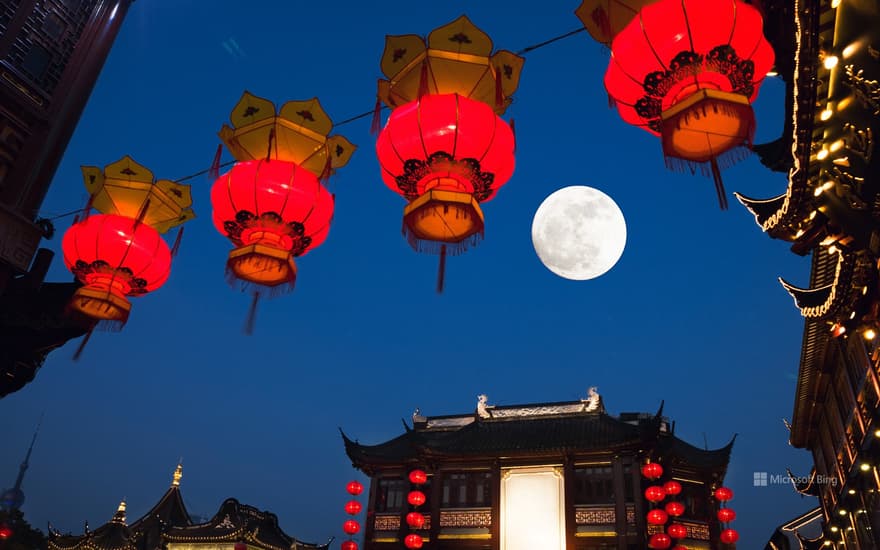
12	499
178	473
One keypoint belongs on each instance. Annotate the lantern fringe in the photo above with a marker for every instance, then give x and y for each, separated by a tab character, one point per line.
377	117
214	171
712	168
82	345
269	292
252	315
424	246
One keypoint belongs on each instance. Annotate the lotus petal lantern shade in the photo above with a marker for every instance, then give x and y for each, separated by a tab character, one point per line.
688	70
603	19
272	211
114	257
445	154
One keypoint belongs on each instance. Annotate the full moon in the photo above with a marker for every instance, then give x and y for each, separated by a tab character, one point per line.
579	233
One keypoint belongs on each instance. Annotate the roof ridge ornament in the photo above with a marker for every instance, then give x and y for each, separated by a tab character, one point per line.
178	473
593	402
483	406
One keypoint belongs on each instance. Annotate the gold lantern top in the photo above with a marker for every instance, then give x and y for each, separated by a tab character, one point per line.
456	58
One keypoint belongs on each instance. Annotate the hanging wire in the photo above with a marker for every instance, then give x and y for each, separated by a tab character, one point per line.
354	118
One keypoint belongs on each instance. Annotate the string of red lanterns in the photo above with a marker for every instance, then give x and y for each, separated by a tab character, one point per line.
353	507
726	515
414	519
659	517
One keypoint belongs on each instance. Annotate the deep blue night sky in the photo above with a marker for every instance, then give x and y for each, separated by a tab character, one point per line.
692	314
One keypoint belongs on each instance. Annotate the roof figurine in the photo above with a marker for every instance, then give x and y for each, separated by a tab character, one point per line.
178	473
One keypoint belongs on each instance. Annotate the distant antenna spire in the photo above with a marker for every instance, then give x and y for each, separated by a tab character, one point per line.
705	442
178	473
12	499
24	465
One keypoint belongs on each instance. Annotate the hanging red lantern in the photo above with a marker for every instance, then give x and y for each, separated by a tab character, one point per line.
652	470
114	257
657	517
677	531
413	541
674	508
729	536
354	488
655	493
353	507
349	545
415	520
726	515
5	531
416	498
723	494
272	211
351	527
418	477
672	488
688	72
659	540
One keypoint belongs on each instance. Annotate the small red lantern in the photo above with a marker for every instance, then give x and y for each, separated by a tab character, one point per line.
657	517
416	498
726	515
413	541
240	546
5	531
351	527
652	470
418	477
672	488
723	494
415	520
688	72
660	540
655	493
674	508
114	257
729	536
272	211
349	545
353	507
354	488
677	531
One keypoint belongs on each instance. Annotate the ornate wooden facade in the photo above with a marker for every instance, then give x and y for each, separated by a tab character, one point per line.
829	57
596	457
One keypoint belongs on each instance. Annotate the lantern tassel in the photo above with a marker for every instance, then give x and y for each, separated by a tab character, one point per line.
377	117
176	247
423	80
612	103
719	185
441	270
214	172
252	315
82	345
513	129
499	91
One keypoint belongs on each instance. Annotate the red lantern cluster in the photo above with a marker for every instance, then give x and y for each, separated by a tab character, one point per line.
726	515
658	517
688	72
351	527
113	257
414	519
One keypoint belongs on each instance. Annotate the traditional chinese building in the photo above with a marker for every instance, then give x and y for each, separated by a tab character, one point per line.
563	475
168	526
829	58
801	533
51	52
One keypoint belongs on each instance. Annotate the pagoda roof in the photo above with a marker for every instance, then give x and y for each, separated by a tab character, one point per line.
113	535
236	522
529	431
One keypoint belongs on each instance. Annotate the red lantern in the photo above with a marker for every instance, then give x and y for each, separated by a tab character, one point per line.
677	531
413	541
652	470
659	540
240	546
349	545
5	531
353	507
657	517
688	72
354	488
415	520
723	494
272	211
114	257
726	515
672	488
418	477
351	527
674	508
445	154
729	536
655	493
416	498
